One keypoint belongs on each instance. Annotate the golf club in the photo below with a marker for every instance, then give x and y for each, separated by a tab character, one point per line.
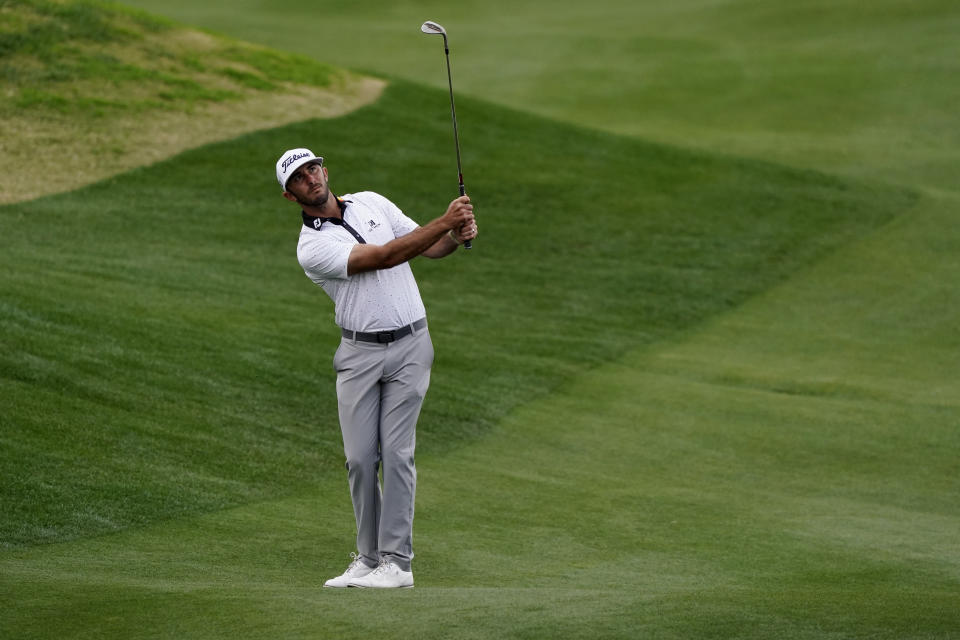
432	28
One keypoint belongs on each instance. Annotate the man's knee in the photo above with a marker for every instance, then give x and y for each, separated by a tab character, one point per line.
400	459
358	466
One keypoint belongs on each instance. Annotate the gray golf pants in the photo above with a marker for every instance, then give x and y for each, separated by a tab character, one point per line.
380	389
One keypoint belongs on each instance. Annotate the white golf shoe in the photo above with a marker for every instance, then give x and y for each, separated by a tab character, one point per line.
387	576
357	569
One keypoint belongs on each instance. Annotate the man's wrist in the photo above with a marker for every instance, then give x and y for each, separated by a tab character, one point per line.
453	237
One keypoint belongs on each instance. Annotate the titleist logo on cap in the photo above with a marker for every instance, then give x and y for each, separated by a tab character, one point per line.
296	156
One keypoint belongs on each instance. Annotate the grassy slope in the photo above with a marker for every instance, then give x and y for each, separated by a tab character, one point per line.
788	472
84	77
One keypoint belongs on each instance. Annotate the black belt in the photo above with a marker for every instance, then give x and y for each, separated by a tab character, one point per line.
384	337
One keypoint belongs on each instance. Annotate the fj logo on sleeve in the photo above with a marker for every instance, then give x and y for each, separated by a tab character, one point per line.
372	225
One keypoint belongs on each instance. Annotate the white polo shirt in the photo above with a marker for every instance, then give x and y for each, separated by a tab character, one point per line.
380	300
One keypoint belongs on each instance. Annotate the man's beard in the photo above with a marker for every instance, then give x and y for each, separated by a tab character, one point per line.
319	201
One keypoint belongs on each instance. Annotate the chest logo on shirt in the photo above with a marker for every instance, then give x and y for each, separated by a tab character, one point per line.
371	225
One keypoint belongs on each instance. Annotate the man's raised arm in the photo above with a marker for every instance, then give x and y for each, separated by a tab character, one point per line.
370	257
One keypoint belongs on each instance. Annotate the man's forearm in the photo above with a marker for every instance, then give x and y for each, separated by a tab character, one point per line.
365	257
443	247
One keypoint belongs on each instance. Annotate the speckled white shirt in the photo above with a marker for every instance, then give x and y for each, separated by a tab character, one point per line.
379	300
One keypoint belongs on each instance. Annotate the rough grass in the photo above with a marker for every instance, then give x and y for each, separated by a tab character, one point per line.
92	89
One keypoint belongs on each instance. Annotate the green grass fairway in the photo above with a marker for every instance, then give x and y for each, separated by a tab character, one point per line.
678	393
165	327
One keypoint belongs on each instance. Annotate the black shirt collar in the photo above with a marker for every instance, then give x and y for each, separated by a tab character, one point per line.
315	222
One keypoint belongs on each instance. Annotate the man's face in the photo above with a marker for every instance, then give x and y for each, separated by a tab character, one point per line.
308	185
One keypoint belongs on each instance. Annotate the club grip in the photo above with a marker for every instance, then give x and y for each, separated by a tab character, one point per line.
463	191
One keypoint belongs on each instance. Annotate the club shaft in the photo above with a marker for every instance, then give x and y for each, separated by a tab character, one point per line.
456	134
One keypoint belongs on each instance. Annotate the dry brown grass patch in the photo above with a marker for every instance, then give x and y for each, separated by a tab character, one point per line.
39	157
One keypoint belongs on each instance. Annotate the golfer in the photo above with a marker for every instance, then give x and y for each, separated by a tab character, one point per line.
357	248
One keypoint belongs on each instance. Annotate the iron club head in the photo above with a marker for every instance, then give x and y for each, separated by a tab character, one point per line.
432	27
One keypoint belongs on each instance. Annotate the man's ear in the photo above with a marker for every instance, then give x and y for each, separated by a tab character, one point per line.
289	196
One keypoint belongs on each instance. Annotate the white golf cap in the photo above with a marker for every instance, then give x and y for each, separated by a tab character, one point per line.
292	160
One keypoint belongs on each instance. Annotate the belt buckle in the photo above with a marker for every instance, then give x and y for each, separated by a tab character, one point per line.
386	337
